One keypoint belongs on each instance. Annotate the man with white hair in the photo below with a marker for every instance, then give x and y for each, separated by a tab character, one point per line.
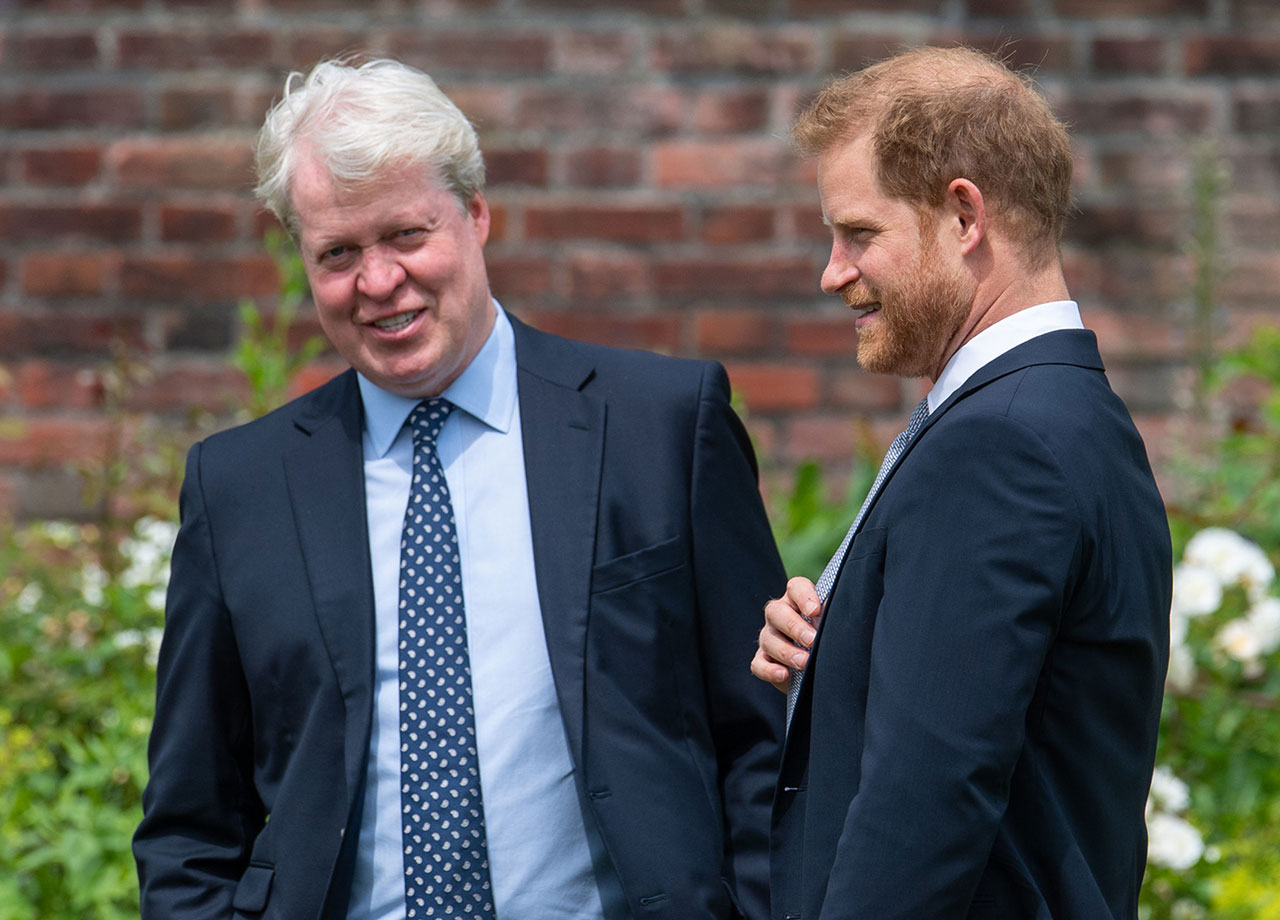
460	632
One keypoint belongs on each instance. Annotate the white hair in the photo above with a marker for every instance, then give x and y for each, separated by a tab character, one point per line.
361	119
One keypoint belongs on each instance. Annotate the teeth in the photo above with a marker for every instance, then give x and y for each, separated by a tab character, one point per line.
399	321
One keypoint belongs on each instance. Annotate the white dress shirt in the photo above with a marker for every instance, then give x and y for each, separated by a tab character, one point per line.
539	854
999	338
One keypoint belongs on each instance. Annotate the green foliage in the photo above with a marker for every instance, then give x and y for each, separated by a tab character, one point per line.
264	353
80	621
807	525
76	690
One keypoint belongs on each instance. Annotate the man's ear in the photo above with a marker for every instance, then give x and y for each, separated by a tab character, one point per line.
478	211
966	214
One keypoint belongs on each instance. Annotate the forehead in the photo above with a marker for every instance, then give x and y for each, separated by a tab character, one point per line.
847	182
325	205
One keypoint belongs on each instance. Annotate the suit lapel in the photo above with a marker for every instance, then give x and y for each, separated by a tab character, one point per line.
563	433
325	474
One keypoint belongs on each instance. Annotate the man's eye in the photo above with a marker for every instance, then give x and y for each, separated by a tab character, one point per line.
408	233
336	252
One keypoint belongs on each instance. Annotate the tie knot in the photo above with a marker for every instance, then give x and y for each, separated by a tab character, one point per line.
427	418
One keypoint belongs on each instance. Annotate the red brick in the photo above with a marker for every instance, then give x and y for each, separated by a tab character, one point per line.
741	9
1115	56
1253	280
619	224
187	224
42	384
598	280
737	49
1128	335
190	385
314	374
42	441
196	107
515	167
63	274
489	107
723	164
855	50
856	389
8	497
47	108
645	110
1129	9
57	51
1257	109
1253	222
824	7
1032	54
650	331
666	7
1238	54
498	222
765	277
734	331
67	166
775	387
1127	224
187	279
1143	170
193	49
602	167
806	223
195	162
80	6
1167	111
65	332
822	438
594	53
103	222
737	224
503	52
515	277
315	42
1000	8
731	111
821	337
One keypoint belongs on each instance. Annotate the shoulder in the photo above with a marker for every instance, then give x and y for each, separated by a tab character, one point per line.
335	401
624	373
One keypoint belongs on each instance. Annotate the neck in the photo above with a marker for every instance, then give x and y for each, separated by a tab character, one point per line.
998	298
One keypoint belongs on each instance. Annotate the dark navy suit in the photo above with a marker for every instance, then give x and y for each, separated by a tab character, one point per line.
653	560
976	731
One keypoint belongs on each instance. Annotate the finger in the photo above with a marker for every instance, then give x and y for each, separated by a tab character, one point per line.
784	616
804	597
779	649
769	671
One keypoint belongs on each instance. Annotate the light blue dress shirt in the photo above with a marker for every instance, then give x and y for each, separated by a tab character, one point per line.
540	857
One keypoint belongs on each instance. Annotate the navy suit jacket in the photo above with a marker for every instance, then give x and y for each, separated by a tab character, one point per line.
653	559
975	733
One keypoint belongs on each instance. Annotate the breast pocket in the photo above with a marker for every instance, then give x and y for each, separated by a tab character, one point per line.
651	561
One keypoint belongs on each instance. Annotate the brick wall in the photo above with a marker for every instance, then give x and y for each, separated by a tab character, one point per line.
643	191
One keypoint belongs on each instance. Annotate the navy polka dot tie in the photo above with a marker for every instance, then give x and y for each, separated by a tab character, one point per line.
446	864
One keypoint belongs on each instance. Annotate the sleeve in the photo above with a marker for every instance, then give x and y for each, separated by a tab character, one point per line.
981	549
737	569
200	811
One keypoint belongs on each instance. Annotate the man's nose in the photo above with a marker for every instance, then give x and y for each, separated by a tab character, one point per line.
380	273
840	272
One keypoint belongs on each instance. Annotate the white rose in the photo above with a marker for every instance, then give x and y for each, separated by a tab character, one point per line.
1232	558
1173	842
1197	590
1240	640
1169	793
1265	618
1182	669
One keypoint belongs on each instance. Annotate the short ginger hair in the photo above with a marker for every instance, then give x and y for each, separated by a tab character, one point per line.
938	114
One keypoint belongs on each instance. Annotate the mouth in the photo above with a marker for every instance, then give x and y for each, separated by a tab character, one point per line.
864	309
397	322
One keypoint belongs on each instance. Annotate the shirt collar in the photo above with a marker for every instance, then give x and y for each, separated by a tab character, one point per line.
485	390
999	338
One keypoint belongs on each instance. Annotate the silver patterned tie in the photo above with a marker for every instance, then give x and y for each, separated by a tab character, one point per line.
446	862
828	576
